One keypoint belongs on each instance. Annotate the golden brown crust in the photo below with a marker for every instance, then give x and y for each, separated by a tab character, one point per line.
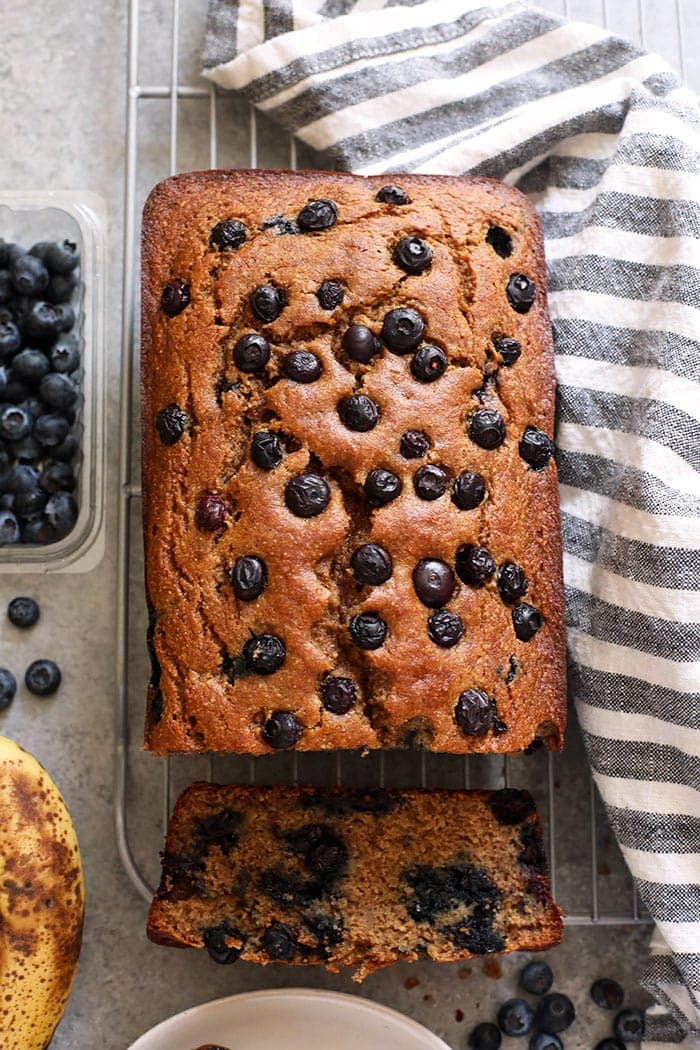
461	874
409	686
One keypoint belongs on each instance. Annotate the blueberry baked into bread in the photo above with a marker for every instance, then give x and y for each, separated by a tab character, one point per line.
350	502
353	878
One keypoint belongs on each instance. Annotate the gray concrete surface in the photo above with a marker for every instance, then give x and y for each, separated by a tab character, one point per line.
62	119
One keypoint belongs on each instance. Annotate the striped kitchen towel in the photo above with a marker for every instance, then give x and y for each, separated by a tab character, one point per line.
606	142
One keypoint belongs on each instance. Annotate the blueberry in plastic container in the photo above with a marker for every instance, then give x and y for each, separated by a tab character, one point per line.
9	528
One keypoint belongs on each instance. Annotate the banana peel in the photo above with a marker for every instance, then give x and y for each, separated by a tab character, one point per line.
42	901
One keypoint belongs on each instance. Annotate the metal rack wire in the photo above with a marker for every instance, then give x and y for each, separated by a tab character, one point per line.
548	776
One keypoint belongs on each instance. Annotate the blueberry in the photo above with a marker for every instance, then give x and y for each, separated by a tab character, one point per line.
267	302
629	1026
610	1044
536	978
42	678
57	477
359	412
500	241
368	630
228	234
29	365
58	391
65	355
21	479
10	339
428	364
307	495
33	405
433	582
248	577
511	581
360	344
6	457
9	528
381	487
515	1017
475	565
330	295
251	353
317	215
279	942
264	653
327	856
545	1041
66	314
62	257
536	448
554	1013
607	994
266	450
211	512
487	428
282	730
445	628
4	377
526	621
485	1036
67	449
338	694
216	941
39	249
171	424
38	530
5	286
41	323
371	564
23	612
30	503
414	444
15	422
402	330
61	512
429	482
302	366
16	391
29	276
468	490
508	350
392	195
413	255
521	292
8	688
511	806
175	297
474	713
59	291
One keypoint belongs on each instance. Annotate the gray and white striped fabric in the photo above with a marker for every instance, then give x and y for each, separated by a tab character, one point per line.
607	144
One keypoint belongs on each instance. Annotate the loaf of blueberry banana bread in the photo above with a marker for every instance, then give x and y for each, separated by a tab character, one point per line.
352	878
350	503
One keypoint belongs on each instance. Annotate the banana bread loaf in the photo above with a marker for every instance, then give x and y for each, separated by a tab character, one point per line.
350	503
353	878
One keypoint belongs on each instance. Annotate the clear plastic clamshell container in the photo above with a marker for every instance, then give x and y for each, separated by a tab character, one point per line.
26	218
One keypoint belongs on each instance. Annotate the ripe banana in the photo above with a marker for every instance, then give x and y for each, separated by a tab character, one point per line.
42	901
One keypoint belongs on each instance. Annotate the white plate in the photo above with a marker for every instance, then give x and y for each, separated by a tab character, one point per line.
292	1018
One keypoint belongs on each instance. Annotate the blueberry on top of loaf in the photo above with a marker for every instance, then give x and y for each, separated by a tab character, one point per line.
334	366
288	874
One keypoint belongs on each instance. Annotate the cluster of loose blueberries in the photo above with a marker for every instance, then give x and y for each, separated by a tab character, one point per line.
39	356
42	677
554	1013
308	494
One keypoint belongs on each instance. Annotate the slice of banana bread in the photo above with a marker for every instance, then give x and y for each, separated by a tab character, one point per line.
342	877
351	514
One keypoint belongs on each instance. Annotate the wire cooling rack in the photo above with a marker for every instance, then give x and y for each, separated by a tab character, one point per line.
175	123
